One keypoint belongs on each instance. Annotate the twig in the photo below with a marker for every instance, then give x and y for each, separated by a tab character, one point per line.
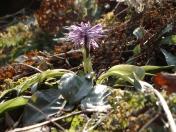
97	123
163	103
5	18
149	122
117	5
122	11
76	68
46	122
167	110
14	14
46	117
32	67
85	127
62	107
68	52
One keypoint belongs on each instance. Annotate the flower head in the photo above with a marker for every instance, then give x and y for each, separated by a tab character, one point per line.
84	33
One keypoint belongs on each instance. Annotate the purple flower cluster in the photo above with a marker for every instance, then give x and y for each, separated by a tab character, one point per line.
84	33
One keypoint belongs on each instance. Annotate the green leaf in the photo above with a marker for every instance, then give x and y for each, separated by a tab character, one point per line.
96	100
131	60
41	105
171	40
170	58
12	104
39	77
137	49
139	32
74	88
155	69
137	84
126	72
167	29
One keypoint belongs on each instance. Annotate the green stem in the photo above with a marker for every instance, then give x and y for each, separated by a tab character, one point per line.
87	64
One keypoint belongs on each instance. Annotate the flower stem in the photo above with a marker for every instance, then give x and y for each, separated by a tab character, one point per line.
87	64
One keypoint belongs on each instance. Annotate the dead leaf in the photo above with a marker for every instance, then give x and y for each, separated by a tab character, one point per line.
6	72
165	81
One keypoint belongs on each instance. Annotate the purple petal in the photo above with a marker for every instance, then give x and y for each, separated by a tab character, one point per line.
94	44
77	34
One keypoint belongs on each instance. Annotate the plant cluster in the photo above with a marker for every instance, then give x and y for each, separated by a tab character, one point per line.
102	76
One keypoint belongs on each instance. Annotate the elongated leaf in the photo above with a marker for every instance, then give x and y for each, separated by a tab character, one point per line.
167	29
126	72
41	105
155	69
139	32
22	86
171	40
13	103
170	58
137	49
39	77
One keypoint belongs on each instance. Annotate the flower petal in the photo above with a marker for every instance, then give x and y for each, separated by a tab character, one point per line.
77	34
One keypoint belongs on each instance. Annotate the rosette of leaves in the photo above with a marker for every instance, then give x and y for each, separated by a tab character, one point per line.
74	90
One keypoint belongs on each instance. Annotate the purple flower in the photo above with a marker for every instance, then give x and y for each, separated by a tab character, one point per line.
85	35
